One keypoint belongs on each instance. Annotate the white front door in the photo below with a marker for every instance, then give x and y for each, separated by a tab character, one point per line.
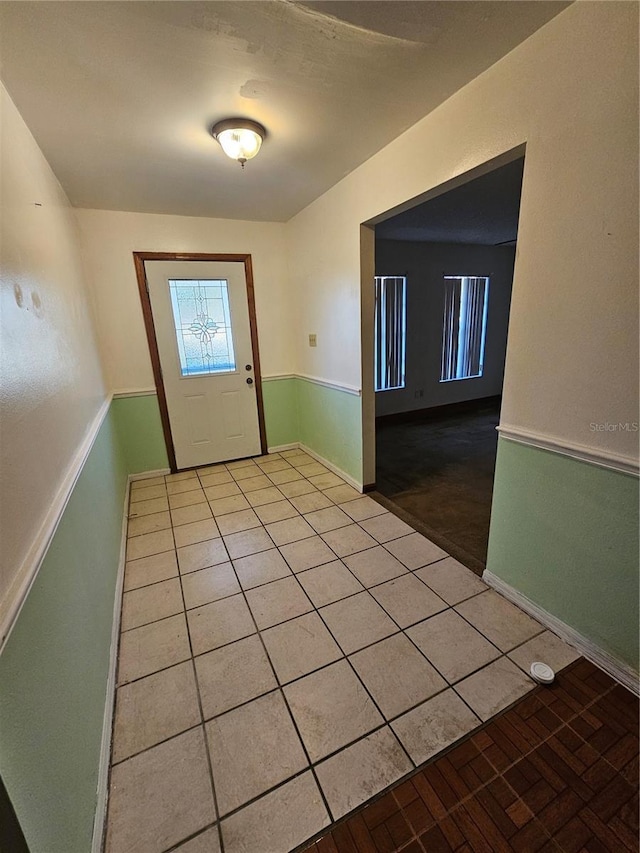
201	318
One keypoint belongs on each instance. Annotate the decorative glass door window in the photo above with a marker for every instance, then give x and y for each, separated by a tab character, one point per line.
464	326
202	322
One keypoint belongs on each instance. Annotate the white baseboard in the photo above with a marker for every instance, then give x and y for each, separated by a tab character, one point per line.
298	445
613	666
147	475
102	794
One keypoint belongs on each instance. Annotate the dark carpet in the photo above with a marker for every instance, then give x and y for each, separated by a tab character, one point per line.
436	468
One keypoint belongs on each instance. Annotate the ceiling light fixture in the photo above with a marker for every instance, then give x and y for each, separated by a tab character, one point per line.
240	138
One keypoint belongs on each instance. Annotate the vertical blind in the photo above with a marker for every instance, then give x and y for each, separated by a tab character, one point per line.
390	330
464	326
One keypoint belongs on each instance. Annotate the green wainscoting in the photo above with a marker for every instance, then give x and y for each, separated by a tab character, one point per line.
564	533
140	430
54	667
280	397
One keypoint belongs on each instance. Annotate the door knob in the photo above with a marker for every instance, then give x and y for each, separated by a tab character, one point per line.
249	381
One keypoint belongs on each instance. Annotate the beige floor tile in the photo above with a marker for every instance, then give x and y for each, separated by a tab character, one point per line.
153	709
257	569
178	487
545	647
247	542
289	530
500	621
148	524
252	484
300	459
216	478
396	675
407	600
361	771
146	482
296	488
357	621
149	543
152	647
245	472
451	580
277	511
276	754
160	796
311	502
348	540
326	481
331	709
148	493
236	522
385	527
189	514
495	687
287	475
140	508
362	508
279	821
207	842
299	646
208	585
272	466
312	469
201	555
434	725
307	553
277	602
194	496
264	496
341	494
222	490
234	503
374	566
150	603
221	622
331	518
159	567
181	475
196	531
415	550
452	645
234	674
239	463
328	583
211	469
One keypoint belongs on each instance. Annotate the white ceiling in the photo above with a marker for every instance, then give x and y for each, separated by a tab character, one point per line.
120	95
483	211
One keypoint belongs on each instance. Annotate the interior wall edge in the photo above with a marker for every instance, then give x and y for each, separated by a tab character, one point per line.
317	380
28	572
611	664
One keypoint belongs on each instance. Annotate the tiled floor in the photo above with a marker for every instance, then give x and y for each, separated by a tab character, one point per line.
290	649
557	772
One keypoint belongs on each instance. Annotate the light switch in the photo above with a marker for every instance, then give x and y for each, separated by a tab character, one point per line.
313	341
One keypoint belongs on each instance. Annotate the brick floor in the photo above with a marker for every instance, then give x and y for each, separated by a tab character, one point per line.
556	772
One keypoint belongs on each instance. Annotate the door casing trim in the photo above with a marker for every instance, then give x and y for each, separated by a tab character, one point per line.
139	259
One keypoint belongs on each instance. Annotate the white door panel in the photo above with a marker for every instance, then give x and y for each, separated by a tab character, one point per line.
201	318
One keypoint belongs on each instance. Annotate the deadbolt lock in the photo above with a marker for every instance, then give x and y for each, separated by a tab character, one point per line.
247	367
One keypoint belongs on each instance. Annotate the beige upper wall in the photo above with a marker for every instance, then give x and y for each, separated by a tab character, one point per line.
109	239
52	385
570	93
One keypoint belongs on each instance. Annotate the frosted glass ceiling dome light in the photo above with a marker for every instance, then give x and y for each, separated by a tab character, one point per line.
240	138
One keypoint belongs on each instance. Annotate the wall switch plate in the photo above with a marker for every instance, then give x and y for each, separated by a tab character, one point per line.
313	341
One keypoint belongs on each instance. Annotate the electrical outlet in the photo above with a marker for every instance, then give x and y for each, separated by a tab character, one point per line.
313	341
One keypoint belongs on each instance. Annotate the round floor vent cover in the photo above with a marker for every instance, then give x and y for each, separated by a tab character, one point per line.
542	673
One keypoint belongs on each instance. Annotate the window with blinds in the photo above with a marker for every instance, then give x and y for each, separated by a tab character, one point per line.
390	332
464	326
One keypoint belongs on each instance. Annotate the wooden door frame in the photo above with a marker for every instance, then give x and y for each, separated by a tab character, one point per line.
139	259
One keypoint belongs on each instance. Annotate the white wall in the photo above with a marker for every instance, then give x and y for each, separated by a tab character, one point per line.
424	265
109	238
52	385
570	93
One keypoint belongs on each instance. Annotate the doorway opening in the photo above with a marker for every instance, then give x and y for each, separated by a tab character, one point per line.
443	279
200	320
